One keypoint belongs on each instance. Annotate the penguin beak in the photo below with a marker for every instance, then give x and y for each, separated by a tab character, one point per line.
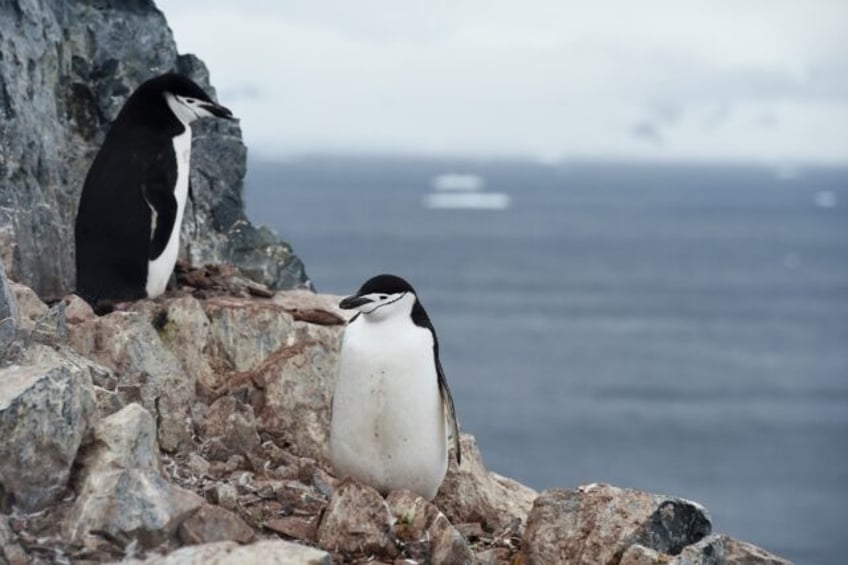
217	110
352	302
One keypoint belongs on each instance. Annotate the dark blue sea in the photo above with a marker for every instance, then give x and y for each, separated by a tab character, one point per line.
675	328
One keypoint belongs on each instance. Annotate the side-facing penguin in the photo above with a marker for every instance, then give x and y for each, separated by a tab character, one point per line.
391	405
128	221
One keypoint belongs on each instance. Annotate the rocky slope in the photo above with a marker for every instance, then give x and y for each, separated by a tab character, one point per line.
193	429
65	70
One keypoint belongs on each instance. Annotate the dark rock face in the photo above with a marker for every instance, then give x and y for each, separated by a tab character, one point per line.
673	526
66	69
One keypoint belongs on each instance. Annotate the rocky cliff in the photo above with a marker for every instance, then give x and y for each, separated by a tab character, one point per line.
66	67
193	428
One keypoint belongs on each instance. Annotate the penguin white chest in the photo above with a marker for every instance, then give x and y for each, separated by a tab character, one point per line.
388	422
159	269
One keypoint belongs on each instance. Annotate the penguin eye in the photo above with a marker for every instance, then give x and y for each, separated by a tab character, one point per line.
191	100
383	296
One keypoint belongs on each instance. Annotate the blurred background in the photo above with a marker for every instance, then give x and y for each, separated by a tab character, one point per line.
628	221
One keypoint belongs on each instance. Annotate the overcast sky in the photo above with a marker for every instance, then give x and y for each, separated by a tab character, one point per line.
763	80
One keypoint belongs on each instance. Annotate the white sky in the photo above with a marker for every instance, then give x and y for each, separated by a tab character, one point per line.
763	80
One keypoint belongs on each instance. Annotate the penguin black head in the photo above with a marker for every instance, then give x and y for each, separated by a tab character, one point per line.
185	99
383	293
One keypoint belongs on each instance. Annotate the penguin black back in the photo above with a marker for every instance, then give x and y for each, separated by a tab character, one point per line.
127	209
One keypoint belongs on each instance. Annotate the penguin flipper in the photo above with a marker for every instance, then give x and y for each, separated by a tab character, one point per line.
193	206
447	402
159	194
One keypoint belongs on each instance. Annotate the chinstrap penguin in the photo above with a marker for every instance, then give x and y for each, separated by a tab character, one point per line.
128	222
391	406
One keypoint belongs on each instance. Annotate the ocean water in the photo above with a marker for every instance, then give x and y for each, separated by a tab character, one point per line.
678	329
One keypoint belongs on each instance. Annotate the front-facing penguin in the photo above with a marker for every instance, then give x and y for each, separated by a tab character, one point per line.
129	216
391	405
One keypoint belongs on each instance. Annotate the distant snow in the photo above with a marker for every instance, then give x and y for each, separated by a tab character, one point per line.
455	181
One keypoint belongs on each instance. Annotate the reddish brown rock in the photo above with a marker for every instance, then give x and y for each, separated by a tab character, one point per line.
357	523
743	553
213	523
421	526
641	555
77	310
287	368
446	544
247	331
295	527
321	309
295	496
595	525
296	385
233	424
146	371
470	493
412	514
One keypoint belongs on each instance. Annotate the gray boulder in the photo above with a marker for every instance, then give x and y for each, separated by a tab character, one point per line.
66	69
123	493
46	409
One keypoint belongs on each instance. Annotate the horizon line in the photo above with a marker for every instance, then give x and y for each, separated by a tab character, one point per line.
564	160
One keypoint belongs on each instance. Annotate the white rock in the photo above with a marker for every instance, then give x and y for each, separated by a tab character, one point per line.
265	552
30	306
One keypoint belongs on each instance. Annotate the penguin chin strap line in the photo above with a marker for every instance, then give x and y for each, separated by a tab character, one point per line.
386	303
